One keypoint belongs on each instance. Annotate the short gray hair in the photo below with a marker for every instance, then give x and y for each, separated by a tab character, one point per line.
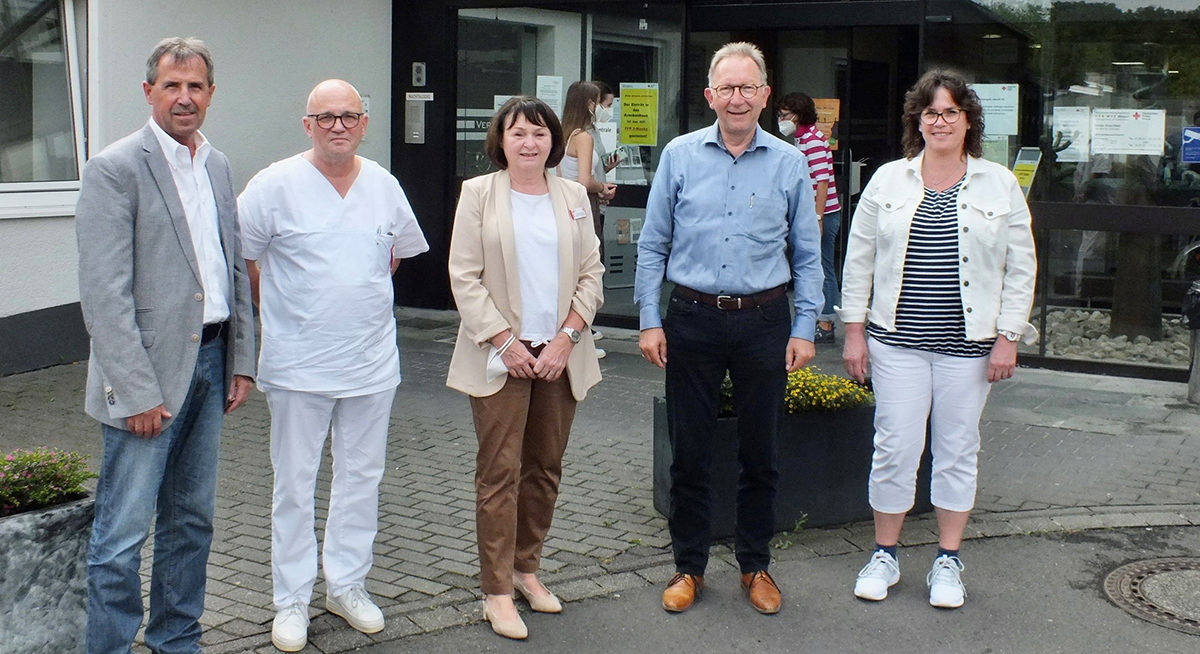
181	49
738	49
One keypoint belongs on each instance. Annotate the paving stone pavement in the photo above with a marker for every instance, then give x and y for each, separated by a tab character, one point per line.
1061	452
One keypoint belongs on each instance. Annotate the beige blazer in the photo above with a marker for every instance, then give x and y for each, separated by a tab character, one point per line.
487	288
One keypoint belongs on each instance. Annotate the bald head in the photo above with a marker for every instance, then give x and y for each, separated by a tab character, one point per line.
332	91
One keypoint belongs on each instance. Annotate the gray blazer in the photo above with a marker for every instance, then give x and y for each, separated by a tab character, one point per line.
139	284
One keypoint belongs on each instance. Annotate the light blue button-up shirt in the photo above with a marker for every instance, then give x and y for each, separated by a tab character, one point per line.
722	225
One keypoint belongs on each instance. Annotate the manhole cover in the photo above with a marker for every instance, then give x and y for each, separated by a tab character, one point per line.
1165	592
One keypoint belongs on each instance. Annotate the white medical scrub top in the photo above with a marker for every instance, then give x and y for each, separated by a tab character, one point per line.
325	289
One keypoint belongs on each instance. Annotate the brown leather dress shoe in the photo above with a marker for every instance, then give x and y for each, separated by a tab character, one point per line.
681	592
764	594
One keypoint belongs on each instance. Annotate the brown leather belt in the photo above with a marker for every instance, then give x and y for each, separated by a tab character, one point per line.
213	331
732	302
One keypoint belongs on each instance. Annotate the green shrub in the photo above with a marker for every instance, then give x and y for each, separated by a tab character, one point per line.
35	479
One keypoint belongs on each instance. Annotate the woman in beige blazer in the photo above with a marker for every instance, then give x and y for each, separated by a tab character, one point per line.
525	271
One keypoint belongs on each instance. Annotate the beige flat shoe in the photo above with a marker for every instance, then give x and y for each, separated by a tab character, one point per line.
514	629
548	604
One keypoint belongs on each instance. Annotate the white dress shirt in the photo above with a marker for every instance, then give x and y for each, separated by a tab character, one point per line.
200	207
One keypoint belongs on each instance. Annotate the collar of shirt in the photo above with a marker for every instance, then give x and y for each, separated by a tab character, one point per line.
177	153
974	167
713	135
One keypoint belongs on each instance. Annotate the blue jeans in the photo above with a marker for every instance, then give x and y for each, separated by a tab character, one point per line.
832	223
175	472
702	343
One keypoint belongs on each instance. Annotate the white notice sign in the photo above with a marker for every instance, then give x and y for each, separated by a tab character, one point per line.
1129	131
550	91
999	108
1072	133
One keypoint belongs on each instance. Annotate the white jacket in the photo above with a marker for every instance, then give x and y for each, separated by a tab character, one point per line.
997	267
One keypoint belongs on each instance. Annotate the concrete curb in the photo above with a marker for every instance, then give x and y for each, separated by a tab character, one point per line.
457	607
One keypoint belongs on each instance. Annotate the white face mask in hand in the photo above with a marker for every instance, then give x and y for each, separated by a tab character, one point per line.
787	127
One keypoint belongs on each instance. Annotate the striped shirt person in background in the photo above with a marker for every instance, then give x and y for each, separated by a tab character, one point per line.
798	117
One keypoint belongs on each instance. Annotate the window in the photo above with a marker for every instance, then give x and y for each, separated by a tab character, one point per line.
40	109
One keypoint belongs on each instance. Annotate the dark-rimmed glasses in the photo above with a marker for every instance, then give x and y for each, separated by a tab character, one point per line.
349	119
951	116
747	90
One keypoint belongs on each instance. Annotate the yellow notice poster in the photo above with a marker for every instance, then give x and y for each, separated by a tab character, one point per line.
639	114
829	111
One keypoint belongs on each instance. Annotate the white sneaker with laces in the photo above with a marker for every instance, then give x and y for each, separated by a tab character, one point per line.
289	631
946	590
356	607
879	574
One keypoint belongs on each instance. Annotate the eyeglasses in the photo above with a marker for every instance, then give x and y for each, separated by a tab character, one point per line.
747	90
326	121
951	116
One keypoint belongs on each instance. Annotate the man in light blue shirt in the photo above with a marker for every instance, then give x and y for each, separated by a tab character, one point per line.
729	221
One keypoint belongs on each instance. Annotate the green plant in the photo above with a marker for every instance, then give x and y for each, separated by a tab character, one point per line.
809	389
35	479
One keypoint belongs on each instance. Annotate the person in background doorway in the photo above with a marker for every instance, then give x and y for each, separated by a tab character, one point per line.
526	275
798	119
936	293
584	157
323	232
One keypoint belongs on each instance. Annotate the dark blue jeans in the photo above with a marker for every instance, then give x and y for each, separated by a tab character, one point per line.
703	342
174	475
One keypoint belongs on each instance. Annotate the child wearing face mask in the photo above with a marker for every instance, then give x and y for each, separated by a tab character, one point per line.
798	119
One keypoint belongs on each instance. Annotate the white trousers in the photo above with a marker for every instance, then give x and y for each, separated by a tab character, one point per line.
299	424
912	387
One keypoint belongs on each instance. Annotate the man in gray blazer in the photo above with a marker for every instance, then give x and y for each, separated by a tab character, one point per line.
166	301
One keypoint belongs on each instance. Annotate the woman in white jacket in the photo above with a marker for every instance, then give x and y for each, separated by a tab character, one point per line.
937	290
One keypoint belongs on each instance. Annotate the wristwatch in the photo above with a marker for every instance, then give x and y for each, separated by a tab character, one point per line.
572	334
1011	337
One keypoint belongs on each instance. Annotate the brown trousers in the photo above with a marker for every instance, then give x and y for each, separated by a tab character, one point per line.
522	432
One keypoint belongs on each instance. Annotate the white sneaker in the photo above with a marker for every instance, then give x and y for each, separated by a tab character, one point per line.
600	353
879	574
289	631
597	334
356	607
946	590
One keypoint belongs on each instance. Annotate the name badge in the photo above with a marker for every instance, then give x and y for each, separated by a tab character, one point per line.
578	213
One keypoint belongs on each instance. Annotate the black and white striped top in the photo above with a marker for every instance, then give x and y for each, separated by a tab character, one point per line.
929	314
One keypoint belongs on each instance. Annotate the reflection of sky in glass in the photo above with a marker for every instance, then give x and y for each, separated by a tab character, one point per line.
1176	5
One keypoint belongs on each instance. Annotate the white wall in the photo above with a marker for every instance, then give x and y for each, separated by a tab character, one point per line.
38	264
268	54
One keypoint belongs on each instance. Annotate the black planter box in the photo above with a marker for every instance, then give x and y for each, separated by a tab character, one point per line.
824	461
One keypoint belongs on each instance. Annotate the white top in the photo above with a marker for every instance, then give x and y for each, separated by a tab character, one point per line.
326	287
536	233
200	208
995	242
570	165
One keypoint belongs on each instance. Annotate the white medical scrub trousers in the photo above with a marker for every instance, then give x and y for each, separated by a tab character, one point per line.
911	387
299	424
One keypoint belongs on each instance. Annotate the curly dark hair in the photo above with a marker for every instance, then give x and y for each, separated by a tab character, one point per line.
536	112
920	96
801	105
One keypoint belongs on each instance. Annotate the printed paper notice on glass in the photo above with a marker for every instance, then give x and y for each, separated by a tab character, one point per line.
999	108
550	91
1129	131
639	113
1072	133
829	111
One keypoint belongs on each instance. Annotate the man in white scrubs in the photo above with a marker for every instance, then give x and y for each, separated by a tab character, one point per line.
322	232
